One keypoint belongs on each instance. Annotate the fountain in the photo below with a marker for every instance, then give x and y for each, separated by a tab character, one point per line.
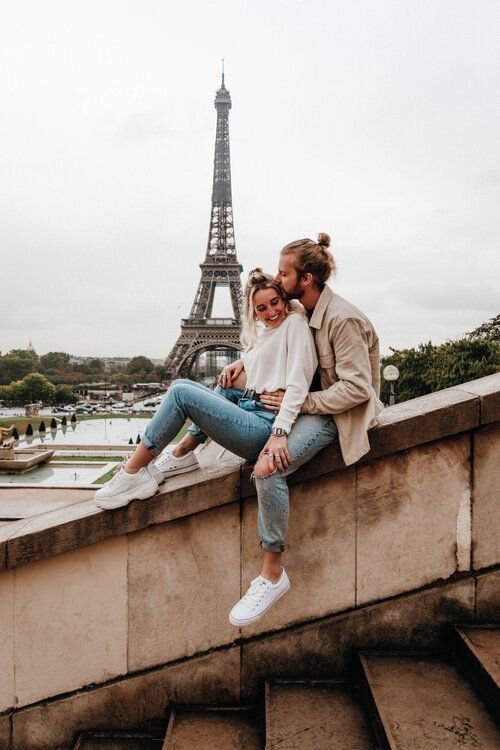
15	460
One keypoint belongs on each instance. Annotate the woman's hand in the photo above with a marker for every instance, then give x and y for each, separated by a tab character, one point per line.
276	453
230	373
272	401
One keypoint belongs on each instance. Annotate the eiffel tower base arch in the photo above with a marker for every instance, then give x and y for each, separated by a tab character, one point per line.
196	339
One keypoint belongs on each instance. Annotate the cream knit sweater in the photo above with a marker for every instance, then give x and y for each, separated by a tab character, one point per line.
283	358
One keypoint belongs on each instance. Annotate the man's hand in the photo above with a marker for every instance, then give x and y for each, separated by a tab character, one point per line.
276	453
230	373
272	401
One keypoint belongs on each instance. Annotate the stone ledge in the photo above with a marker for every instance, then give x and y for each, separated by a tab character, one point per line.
84	523
405	425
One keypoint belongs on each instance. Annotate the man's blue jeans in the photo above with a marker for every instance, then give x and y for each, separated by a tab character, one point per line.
309	434
243	429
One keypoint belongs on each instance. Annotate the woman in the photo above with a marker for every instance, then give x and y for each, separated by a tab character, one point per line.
279	354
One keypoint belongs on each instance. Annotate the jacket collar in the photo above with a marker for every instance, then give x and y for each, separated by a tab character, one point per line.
319	311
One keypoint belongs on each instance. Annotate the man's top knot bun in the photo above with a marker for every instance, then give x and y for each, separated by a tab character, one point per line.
324	239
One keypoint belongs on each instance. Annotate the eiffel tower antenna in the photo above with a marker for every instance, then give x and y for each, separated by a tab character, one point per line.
201	332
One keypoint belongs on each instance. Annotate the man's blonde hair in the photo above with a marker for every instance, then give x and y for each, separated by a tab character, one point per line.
312	257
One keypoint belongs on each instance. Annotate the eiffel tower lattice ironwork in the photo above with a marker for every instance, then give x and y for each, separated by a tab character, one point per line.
201	332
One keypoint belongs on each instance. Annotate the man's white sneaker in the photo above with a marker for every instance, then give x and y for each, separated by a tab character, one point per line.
260	597
167	465
123	487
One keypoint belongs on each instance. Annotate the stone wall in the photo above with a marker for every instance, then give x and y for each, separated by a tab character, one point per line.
89	597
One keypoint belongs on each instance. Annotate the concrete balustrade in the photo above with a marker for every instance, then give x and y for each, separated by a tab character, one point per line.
410	534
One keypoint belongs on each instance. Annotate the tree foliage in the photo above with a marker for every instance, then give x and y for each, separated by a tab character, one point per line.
429	368
32	388
139	366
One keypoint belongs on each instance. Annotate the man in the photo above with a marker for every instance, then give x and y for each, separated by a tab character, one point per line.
346	407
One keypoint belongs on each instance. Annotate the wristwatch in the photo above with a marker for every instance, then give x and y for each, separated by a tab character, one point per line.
279	432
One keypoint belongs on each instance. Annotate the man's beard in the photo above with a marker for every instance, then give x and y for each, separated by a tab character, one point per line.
296	293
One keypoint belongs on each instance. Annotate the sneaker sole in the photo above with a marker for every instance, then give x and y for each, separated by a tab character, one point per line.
242	623
119	502
173	472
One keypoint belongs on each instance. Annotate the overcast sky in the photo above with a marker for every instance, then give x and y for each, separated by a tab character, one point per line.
375	121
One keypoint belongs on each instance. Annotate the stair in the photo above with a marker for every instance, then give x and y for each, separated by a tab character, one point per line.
424	703
217	728
477	650
315	714
402	701
118	741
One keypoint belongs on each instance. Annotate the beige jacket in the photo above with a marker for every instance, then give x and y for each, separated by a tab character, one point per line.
349	368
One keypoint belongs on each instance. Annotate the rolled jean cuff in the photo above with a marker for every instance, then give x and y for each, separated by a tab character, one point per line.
272	546
197	433
147	443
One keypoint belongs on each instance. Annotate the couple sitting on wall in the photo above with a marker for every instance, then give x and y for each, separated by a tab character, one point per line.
262	408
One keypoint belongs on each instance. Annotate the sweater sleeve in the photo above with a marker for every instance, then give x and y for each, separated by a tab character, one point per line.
352	365
300	367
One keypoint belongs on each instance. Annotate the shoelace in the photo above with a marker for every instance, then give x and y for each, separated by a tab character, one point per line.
114	478
258	588
167	456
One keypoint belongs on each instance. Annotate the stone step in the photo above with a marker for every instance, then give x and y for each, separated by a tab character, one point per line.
424	703
315	714
217	728
477	649
118	741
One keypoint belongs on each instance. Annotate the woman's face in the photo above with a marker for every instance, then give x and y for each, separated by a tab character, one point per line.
269	307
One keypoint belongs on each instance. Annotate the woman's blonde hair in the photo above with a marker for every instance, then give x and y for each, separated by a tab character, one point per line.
312	257
257	280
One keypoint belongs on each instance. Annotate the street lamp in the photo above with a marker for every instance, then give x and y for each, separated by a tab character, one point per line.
391	374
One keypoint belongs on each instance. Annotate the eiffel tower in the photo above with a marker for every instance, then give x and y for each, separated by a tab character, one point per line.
201	332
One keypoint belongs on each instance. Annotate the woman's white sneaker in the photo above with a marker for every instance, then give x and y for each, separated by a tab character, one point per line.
123	487
167	465
260	597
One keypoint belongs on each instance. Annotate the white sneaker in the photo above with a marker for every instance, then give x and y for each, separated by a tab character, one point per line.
123	487
166	465
261	595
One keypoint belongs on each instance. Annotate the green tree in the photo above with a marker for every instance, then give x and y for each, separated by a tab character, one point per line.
13	367
5	393
33	387
96	365
488	330
64	394
53	361
139	366
431	368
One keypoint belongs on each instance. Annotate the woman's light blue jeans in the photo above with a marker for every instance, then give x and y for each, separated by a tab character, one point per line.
243	429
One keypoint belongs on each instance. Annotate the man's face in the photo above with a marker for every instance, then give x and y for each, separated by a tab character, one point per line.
288	278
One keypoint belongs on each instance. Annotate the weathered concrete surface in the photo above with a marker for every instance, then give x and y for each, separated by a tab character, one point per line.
184	578
125	704
219	728
413	513
488	391
485	644
84	523
314	716
320	558
5	732
325	648
488	597
425	704
24	502
486	497
7	688
71	620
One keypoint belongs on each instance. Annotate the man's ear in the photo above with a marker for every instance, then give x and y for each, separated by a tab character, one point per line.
308	279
